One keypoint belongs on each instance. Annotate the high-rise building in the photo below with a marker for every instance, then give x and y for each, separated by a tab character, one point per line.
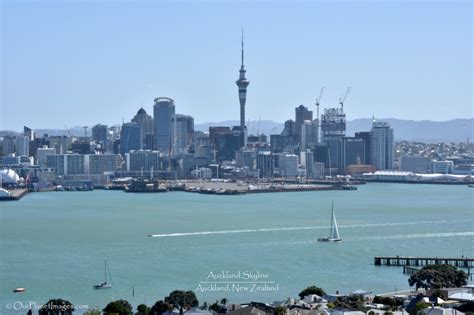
242	84
146	124
309	134
365	135
265	164
99	135
8	145
307	161
351	152
302	114
130	138
184	133
226	141
333	124
29	133
163	113
60	144
22	144
42	154
381	146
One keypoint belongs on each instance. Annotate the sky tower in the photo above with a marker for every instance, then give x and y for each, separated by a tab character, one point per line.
242	83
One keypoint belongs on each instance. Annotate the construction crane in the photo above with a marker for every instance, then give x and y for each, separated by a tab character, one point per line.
341	101
258	129
318	101
68	131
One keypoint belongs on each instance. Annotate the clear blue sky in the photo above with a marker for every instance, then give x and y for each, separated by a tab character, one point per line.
82	63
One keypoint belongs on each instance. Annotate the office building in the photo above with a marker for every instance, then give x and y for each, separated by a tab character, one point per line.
102	163
99	135
22	145
307	161
41	155
309	134
66	164
265	164
183	130
414	163
145	161
130	138
60	144
365	135
288	165
442	167
381	146
163	113
146	124
246	158
8	145
302	114
351	152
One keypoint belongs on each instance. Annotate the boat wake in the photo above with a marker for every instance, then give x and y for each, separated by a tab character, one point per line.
280	229
405	236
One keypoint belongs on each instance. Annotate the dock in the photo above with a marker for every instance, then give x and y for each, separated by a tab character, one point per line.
460	262
15	194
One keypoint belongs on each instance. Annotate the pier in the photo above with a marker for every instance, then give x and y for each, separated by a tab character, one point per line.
461	262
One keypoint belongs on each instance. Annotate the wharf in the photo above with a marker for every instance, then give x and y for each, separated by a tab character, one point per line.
461	262
15	194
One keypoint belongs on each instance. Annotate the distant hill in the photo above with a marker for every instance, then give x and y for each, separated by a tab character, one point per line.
455	130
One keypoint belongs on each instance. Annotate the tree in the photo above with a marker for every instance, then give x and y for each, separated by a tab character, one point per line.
311	290
182	300
419	307
437	277
120	307
142	309
56	307
223	301
204	306
160	307
280	310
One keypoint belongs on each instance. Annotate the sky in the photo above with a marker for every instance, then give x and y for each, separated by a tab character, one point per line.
85	62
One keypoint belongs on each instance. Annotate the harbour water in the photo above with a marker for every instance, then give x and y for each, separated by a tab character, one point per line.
54	244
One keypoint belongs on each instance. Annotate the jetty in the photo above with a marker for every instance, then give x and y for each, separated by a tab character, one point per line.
460	262
14	194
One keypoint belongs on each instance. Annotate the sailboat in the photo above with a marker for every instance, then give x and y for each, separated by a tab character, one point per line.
104	285
334	235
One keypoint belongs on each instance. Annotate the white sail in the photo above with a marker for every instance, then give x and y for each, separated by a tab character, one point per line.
334	229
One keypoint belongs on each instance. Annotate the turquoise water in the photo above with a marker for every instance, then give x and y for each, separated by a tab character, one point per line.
55	243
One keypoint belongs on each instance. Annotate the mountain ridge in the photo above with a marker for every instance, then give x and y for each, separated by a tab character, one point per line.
453	130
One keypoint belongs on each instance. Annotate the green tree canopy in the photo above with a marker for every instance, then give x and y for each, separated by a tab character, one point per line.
142	309
437	277
120	307
160	307
311	290
182	299
56	307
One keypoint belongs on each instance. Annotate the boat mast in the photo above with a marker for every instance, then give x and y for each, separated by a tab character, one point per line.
332	218
105	270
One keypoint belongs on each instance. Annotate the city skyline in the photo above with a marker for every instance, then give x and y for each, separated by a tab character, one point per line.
286	70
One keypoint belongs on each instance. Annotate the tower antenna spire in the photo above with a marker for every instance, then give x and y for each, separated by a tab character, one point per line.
242	43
